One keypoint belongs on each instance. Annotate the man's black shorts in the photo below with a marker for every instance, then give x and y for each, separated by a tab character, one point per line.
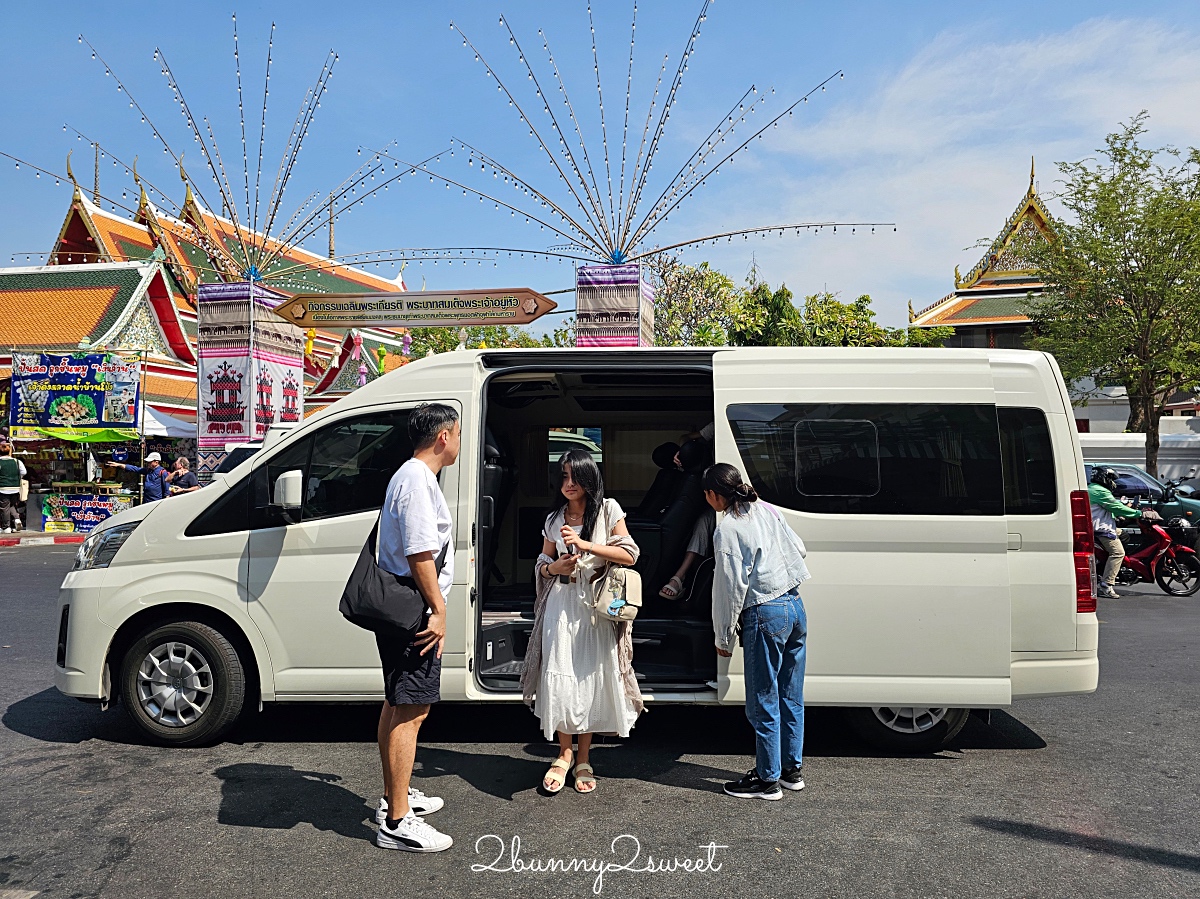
409	678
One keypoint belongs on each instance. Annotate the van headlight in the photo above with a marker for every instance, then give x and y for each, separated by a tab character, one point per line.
99	548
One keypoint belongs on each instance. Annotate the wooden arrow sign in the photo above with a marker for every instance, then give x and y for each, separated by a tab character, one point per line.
416	308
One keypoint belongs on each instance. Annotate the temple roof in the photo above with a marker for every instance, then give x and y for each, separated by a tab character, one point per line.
1000	282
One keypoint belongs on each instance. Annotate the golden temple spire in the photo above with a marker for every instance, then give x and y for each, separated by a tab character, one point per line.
1031	173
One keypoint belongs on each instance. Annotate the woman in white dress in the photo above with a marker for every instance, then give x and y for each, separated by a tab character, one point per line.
580	665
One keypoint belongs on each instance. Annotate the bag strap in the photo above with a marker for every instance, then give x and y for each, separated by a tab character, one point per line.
373	545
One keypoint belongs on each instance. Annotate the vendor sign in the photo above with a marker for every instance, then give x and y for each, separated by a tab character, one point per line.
77	391
80	512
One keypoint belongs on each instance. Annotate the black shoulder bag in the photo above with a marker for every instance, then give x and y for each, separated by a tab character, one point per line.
376	599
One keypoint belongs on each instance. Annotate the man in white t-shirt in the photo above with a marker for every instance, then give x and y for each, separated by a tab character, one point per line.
416	541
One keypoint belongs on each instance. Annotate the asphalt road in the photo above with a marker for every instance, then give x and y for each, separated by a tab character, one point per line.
1091	795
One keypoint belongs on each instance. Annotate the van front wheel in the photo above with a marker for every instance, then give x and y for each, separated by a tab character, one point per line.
183	684
907	729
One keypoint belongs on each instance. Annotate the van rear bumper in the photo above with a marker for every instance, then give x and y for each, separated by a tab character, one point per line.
1037	674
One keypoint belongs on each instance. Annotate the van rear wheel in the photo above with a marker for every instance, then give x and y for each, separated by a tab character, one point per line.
907	729
183	684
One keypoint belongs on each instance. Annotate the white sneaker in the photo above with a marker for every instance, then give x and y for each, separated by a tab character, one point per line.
17	526
412	834
418	804
5	530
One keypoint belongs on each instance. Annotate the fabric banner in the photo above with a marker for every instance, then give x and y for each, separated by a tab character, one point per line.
614	306
80	512
80	391
251	372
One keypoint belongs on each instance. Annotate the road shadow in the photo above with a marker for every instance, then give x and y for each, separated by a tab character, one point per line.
278	797
54	718
1101	845
679	730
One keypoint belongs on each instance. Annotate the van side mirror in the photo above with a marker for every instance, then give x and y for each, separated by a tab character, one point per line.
288	494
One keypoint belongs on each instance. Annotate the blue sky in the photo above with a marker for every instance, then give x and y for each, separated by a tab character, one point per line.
932	127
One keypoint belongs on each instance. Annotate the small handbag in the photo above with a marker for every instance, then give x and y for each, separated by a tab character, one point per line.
617	593
616	590
24	490
375	599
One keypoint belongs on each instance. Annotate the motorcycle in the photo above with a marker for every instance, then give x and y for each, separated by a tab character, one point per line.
1165	558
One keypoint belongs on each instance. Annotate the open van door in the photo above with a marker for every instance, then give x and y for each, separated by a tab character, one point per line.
887	463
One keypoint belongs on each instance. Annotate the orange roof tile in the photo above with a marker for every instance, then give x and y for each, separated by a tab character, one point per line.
54	318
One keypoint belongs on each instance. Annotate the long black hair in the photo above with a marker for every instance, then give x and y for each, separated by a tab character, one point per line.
726	481
586	473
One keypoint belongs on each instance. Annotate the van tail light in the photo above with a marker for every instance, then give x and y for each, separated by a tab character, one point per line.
1083	548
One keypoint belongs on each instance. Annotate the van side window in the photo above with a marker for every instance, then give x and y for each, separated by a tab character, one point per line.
1028	455
228	515
872	458
347	466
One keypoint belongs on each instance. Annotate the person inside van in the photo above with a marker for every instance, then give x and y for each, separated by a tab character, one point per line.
580	667
756	588
1106	508
694	454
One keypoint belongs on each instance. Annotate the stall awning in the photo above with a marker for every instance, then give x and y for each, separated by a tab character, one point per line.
159	424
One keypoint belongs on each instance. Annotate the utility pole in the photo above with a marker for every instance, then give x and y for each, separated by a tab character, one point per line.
331	226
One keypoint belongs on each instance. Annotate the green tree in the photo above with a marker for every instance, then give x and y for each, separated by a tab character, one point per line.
766	317
443	340
1122	275
693	305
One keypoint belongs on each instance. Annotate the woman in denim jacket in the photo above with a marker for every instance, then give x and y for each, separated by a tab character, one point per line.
759	569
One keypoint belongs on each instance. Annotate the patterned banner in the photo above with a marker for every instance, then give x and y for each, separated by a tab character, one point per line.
614	306
251	372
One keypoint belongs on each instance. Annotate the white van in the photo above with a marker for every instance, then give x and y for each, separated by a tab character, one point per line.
940	493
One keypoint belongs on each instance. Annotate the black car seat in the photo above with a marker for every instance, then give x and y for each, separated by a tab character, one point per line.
665	486
498	480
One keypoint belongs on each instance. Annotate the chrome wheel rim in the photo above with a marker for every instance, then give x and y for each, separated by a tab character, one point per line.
174	684
909	719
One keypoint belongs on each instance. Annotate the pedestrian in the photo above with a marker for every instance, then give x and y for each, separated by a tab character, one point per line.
756	588
182	479
156	477
11	473
416	541
580	667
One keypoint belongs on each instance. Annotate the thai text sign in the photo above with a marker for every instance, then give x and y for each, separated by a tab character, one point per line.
80	512
416	309
75	390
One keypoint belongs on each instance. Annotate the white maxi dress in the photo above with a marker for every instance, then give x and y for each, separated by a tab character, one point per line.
580	689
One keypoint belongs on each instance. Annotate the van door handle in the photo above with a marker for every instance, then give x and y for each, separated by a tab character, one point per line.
1014	543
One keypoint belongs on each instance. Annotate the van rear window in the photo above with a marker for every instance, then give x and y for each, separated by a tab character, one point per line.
1028	457
873	458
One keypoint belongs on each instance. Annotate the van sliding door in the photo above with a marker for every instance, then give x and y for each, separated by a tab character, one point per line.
888	465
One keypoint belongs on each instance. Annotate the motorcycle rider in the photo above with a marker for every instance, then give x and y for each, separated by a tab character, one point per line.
1106	508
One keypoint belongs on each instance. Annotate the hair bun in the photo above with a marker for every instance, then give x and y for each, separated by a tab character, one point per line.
747	493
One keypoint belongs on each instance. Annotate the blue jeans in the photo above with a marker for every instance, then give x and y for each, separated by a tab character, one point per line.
774	635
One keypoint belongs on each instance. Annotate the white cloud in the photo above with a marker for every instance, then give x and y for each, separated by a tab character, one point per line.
942	147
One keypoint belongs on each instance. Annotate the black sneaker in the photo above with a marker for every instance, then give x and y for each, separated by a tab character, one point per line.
792	778
754	787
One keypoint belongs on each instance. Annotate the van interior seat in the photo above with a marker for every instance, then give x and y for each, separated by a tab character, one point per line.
665	486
